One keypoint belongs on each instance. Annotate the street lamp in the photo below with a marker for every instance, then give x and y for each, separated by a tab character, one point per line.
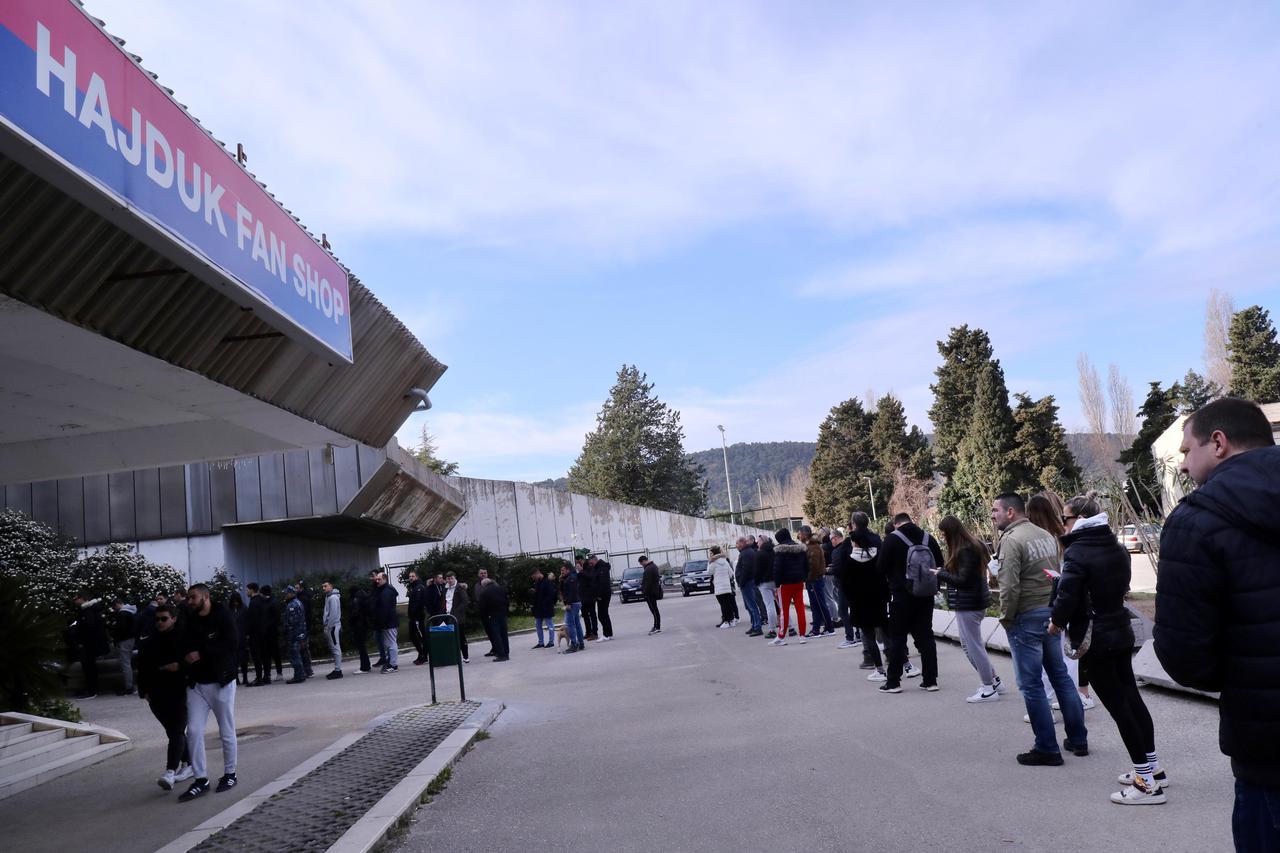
871	493
724	445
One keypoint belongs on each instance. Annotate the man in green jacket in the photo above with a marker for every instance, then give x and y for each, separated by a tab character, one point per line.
1026	561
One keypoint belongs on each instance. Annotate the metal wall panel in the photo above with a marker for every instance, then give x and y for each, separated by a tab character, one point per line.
324	499
44	502
297	484
271	476
222	493
370	461
18	497
346	474
146	498
199	508
71	508
173	501
120	498
248	489
97	509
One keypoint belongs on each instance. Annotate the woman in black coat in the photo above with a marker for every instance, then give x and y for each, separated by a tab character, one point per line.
1090	608
965	576
544	609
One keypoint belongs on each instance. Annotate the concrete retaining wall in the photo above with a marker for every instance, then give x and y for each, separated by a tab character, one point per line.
512	518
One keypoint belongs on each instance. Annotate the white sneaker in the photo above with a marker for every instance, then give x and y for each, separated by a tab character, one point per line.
184	773
1137	795
1026	718
984	694
1000	686
733	624
801	640
877	675
166	780
724	625
1088	702
1162	778
777	641
910	671
600	639
846	644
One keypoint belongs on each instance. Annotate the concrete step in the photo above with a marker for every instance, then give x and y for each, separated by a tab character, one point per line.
35	740
9	731
69	745
11	785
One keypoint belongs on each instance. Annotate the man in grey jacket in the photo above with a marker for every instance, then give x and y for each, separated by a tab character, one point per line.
333	626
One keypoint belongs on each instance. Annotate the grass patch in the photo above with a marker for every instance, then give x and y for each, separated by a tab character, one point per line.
482	735
439	783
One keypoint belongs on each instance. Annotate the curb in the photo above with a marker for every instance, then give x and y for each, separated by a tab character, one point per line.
371	829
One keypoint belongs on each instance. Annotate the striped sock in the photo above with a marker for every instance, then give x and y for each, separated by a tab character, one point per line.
1154	761
1144	771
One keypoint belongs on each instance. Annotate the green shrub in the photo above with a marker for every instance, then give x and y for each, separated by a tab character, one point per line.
223	584
118	570
30	637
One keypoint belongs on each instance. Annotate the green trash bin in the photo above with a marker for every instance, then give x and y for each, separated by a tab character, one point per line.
442	645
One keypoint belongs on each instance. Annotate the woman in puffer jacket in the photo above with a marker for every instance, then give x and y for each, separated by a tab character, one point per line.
968	595
1090	609
722	585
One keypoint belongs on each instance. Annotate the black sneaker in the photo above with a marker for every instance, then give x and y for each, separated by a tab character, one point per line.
771	635
226	783
1080	750
791	632
198	788
888	688
386	670
297	679
866	664
1036	758
337	673
932	688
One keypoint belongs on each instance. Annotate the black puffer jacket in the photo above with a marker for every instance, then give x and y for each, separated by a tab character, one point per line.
967	587
790	562
1218	605
745	571
764	563
1095	578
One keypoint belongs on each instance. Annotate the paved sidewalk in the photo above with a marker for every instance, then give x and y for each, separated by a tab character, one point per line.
704	740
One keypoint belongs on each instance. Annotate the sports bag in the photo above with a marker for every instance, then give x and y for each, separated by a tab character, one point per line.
921	579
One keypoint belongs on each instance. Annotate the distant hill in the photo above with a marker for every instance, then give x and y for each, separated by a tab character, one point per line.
747	462
751	460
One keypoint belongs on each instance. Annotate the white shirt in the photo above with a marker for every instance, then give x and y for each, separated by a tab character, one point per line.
448	598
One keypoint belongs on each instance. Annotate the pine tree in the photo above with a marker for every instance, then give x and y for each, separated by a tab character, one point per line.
896	448
1042	459
843	459
1194	391
426	453
965	354
1254	356
984	467
1142	483
636	452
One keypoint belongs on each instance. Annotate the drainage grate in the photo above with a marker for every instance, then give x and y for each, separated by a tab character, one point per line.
314	812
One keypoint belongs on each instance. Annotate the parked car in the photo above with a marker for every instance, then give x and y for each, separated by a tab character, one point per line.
629	589
695	576
1134	541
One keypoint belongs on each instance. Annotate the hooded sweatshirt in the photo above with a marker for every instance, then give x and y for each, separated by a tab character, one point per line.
1218	605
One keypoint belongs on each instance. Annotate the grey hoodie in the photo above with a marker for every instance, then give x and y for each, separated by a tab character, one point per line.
332	609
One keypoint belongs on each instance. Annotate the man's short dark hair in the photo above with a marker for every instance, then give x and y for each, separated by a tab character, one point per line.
252	587
1013	501
644	559
266	589
902	518
450	575
1241	421
198	587
166	608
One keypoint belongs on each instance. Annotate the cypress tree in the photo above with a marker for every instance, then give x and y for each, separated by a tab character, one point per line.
965	354
984	467
1194	391
1254	355
1142	479
636	452
1042	459
844	456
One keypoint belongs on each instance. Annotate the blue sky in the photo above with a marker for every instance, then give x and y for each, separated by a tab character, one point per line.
767	208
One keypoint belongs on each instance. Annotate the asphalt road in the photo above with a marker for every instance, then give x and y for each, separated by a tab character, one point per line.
702	739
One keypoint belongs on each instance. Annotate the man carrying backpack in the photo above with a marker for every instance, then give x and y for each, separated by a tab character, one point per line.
907	559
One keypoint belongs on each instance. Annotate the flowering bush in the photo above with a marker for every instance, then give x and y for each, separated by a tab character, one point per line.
118	570
222	585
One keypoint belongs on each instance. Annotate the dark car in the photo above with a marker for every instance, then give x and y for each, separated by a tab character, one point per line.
696	576
629	589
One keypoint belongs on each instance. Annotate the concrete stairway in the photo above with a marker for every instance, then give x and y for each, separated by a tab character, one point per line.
34	750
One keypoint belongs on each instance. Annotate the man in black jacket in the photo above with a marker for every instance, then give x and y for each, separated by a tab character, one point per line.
162	684
386	622
304	597
909	615
417	593
651	589
209	641
123	631
1217	621
491	603
745	574
587	596
89	634
602	590
257	620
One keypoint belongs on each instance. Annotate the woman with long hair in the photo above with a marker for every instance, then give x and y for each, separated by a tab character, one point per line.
1089	612
968	595
722	585
1045	511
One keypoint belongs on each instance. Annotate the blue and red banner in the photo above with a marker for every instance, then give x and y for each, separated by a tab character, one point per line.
66	86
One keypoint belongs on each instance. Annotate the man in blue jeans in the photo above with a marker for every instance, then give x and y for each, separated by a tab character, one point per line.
571	595
1026	561
745	574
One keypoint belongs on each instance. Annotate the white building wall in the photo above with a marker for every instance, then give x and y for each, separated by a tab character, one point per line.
519	518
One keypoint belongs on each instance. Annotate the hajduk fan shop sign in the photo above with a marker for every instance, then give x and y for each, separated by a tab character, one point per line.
68	89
